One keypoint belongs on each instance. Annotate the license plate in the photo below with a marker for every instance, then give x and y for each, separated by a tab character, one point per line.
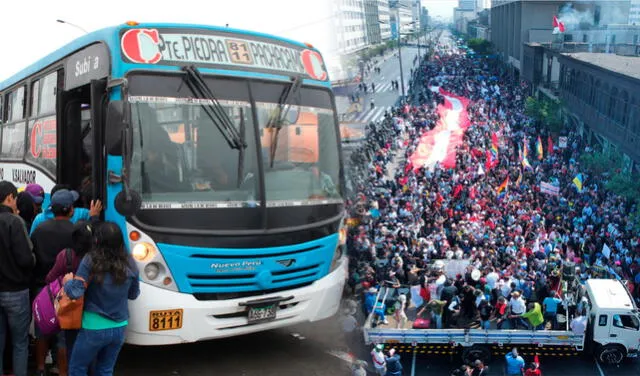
170	319
259	314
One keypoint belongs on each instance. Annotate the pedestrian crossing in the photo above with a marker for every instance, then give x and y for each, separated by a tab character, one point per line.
368	115
384	85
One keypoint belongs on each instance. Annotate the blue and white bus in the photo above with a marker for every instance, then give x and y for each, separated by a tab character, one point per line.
216	150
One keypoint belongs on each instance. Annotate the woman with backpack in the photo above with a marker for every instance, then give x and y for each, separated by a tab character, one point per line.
68	261
107	278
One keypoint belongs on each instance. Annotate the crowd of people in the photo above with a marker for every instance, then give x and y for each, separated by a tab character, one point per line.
67	244
488	212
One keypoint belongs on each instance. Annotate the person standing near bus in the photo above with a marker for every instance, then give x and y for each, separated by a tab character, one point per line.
16	264
79	214
107	278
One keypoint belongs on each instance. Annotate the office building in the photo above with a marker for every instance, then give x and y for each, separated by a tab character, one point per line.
514	22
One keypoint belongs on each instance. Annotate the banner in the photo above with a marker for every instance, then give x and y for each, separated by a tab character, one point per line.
549	188
562	142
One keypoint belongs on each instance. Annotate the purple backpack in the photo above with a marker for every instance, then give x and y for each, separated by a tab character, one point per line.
44	311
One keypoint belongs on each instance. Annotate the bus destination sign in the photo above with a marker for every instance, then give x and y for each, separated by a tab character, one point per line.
158	46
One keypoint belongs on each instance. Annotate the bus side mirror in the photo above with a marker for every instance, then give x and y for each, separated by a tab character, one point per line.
128	207
115	125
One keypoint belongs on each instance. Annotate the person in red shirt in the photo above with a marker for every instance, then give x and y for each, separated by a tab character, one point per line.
500	311
534	368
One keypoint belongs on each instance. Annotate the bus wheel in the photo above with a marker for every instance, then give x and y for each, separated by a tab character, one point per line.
610	354
471	354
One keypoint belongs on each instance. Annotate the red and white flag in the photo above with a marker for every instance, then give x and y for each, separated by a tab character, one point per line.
558	27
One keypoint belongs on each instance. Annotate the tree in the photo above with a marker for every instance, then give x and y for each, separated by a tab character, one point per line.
480	46
546	113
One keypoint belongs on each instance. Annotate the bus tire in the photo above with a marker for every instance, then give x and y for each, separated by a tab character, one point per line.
470	354
611	354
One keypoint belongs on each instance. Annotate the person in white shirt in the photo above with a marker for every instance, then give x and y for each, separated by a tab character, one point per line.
492	279
379	360
579	324
517	306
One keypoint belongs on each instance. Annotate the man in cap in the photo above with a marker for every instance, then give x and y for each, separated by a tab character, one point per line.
49	239
79	214
36	192
16	264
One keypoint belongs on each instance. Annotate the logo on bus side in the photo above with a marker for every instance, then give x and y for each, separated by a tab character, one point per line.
141	46
312	62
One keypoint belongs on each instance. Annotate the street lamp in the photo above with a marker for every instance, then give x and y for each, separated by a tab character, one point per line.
74	25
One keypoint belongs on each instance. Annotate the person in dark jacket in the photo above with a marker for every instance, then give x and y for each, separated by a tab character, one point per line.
394	367
49	239
16	265
107	278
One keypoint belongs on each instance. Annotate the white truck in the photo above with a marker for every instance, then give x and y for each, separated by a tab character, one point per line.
612	333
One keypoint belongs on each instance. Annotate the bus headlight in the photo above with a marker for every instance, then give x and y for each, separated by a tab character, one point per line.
152	270
149	260
141	251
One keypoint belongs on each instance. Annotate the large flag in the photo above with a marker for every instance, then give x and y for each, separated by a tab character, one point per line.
577	181
549	145
539	149
519	179
558	27
494	144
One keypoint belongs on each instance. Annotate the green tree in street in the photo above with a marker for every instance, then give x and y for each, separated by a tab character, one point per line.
545	113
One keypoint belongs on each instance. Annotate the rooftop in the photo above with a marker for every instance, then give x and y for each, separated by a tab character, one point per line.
627	65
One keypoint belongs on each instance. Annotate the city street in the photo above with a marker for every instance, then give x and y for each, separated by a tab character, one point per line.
384	96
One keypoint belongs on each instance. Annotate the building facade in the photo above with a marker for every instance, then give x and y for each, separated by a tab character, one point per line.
600	93
515	22
372	23
634	12
350	26
384	16
401	17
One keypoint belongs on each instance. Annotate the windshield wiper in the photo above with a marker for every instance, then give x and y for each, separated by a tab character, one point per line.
241	151
215	111
277	119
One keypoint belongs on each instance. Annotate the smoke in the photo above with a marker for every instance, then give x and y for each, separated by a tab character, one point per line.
590	15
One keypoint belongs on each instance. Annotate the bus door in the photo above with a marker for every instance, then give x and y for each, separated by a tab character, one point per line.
80	129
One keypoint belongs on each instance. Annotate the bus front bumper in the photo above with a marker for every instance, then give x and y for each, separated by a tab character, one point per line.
204	320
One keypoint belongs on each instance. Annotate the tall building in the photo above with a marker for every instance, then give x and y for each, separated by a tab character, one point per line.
424	18
401	9
467	4
384	16
514	22
634	12
349	26
372	22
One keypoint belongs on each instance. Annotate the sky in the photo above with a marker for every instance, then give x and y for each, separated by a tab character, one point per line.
33	37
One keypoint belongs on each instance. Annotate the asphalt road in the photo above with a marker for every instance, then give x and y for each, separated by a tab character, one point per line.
296	351
384	96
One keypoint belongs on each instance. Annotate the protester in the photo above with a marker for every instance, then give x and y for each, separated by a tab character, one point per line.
518	241
515	363
107	277
16	265
68	261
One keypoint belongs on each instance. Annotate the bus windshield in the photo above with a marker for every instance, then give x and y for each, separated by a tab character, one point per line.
180	158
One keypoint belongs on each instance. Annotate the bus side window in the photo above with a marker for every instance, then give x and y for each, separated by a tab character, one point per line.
42	133
13	128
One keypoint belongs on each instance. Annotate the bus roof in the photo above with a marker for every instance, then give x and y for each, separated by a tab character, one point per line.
110	36
609	294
